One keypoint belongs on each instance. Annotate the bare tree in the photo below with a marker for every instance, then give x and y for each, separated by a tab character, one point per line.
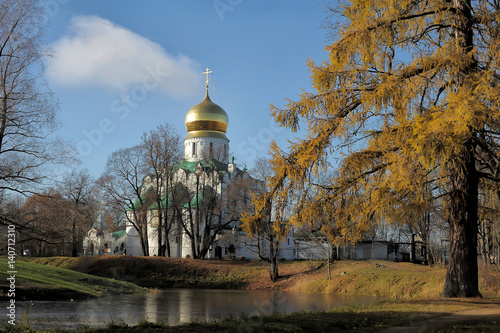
44	224
27	106
124	183
163	149
76	188
113	217
208	202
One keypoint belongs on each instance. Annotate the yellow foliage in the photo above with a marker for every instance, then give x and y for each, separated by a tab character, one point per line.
404	101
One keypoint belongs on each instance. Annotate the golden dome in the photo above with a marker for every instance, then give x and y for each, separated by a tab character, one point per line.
206	119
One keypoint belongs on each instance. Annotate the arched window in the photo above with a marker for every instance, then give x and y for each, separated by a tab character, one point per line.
194	149
211	149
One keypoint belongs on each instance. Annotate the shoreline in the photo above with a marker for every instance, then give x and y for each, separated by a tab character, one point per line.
412	298
356	278
389	316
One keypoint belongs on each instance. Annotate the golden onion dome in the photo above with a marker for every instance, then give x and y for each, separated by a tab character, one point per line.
206	119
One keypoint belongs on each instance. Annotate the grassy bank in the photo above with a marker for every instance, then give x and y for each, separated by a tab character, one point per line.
381	279
366	278
413	291
42	282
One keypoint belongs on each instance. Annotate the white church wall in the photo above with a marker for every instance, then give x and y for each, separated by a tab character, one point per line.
133	242
206	147
102	243
153	241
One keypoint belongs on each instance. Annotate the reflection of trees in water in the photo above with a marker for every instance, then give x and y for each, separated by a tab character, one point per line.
179	305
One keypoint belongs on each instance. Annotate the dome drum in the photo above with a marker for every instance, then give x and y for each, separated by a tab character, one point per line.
206	125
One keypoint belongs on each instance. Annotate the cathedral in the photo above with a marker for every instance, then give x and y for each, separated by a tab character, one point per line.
206	197
210	193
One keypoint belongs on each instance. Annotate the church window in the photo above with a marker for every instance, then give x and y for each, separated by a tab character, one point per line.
194	149
211	149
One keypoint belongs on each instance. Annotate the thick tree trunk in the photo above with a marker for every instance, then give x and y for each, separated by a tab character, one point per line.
273	259
462	274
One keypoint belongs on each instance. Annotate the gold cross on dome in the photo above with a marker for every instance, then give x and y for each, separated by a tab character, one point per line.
207	71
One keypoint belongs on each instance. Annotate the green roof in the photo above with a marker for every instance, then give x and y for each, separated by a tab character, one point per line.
193	200
206	163
137	204
119	234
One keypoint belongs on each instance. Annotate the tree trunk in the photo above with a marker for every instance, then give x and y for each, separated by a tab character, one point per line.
462	273
144	237
159	230
167	247
273	259
274	268
144	246
74	245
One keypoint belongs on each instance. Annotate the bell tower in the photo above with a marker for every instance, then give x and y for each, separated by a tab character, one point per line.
206	124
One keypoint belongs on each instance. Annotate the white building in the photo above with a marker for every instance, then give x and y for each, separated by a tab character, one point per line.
205	177
103	242
206	171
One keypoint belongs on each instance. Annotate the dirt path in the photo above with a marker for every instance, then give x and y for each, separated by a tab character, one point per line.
422	326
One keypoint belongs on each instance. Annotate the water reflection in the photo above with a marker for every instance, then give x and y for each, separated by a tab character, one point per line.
173	306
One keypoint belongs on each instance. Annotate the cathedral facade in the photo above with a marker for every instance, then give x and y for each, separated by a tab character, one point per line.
199	215
209	193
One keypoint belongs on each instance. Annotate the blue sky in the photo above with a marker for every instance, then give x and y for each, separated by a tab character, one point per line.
122	67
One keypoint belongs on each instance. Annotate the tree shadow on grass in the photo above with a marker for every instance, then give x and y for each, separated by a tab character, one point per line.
311	270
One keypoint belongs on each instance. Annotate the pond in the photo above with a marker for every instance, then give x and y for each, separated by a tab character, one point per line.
174	306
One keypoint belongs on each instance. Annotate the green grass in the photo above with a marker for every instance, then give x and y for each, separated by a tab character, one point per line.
377	279
49	281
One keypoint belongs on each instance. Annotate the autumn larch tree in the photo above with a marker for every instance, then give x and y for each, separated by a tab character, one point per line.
409	97
265	225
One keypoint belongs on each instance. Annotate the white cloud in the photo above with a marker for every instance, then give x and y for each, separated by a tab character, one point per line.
97	52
